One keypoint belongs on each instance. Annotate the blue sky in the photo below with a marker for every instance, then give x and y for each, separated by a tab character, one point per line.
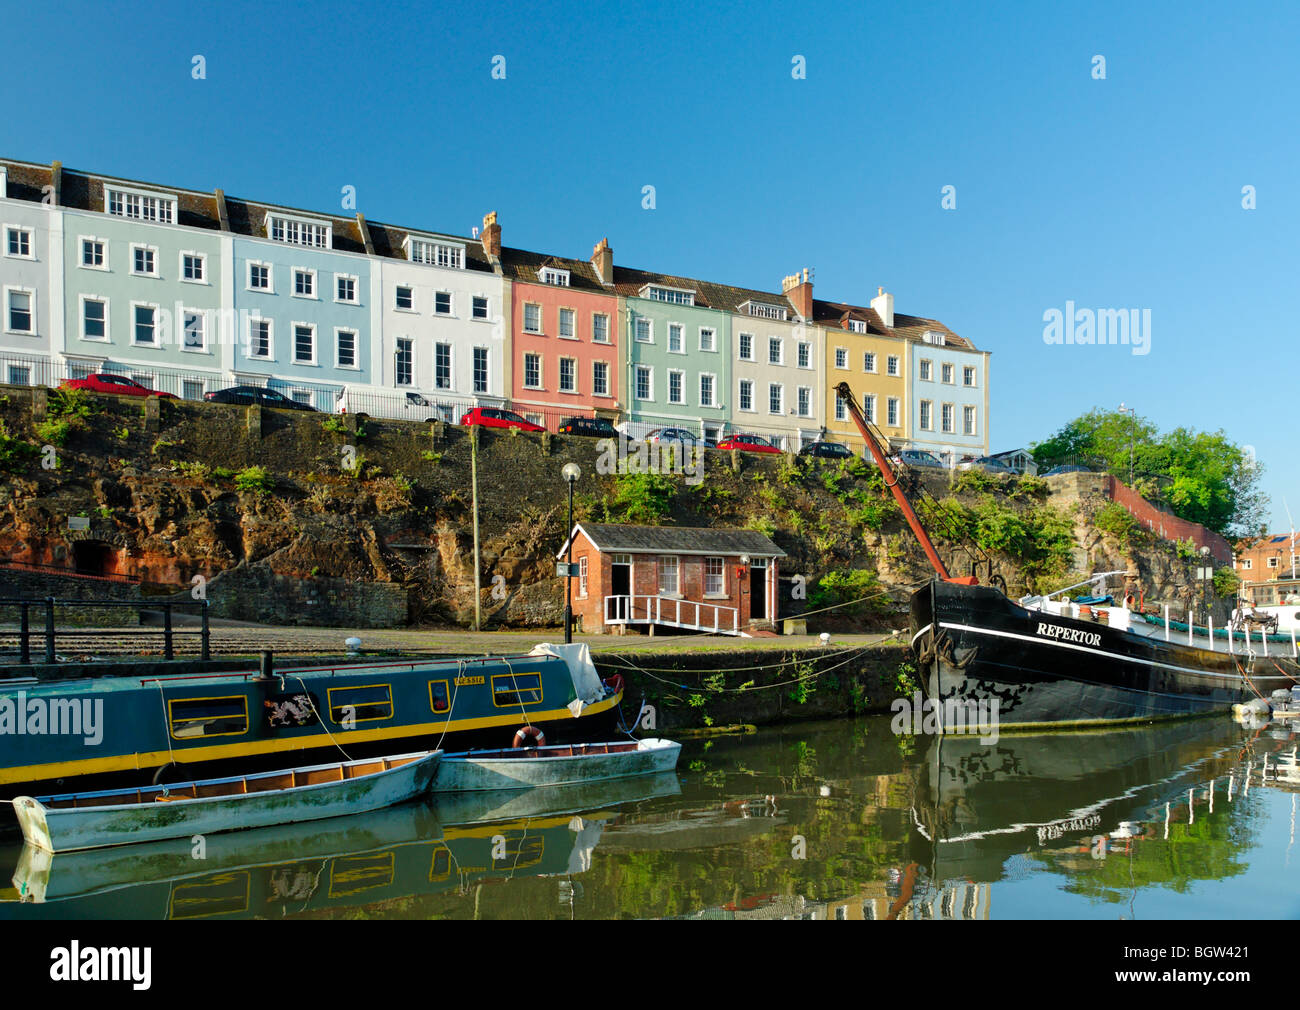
1116	193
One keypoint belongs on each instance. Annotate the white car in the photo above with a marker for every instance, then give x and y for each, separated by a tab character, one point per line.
407	407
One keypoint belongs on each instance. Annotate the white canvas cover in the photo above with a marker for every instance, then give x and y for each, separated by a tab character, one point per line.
586	681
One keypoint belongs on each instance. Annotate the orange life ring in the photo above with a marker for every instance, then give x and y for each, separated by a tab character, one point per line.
530	733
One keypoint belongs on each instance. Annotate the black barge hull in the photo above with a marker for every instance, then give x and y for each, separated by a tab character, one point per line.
976	646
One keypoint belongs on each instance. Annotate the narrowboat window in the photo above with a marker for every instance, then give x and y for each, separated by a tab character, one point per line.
361	704
510	689
192	718
440	868
520	851
354	874
438	697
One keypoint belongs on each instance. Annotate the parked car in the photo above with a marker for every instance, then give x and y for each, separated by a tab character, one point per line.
498	417
748	443
247	395
100	382
411	406
682	435
827	450
986	463
1065	469
917	457
595	427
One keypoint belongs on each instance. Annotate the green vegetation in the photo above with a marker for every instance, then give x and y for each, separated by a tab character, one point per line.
1115	519
430	456
192	470
333	424
255	479
836	589
639	498
71	403
14	452
1040	539
1203	476
53	431
223	472
1226	583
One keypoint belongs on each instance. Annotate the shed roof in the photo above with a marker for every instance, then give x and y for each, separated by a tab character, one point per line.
613	537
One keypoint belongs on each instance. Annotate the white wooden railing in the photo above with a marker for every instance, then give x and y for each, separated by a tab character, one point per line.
673	613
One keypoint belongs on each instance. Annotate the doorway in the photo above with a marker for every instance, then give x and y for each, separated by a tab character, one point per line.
620	587
758	590
93	557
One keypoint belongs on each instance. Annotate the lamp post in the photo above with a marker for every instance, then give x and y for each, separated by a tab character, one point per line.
1207	576
1132	412
571	474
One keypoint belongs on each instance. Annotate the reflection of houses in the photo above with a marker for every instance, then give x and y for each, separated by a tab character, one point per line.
722	581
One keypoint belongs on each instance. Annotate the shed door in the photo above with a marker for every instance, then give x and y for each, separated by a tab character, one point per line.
758	590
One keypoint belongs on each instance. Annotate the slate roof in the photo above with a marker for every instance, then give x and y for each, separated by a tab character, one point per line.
708	294
523	266
612	537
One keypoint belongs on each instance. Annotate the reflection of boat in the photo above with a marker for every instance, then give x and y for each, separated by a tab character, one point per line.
979	805
121	730
210	806
522	768
411	850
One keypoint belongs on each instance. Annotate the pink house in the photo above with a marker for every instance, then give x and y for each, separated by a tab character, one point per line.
564	335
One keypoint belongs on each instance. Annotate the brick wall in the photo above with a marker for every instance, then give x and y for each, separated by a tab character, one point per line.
1166	525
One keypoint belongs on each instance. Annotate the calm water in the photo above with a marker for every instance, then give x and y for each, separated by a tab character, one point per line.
832	820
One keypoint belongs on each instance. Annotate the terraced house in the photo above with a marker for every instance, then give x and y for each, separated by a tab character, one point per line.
564	332
949	390
862	350
777	390
30	272
678	354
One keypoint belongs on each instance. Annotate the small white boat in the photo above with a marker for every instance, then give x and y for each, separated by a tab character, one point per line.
95	820
527	767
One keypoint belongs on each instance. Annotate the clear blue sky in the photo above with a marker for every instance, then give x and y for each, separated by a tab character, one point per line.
1116	193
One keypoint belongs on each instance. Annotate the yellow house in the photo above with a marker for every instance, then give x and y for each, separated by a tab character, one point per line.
861	350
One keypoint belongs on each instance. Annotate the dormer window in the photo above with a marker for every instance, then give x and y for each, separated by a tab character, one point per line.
139	205
674	296
550	275
435	254
858	325
4	183
299	231
934	337
765	311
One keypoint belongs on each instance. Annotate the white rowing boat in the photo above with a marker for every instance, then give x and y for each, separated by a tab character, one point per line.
94	820
528	767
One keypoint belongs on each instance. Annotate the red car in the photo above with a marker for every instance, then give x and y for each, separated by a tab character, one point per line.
496	417
122	386
748	443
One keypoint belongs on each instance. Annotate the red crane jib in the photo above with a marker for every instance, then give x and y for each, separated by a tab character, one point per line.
891	481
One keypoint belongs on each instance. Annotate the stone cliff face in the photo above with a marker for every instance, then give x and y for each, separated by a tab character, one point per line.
372	526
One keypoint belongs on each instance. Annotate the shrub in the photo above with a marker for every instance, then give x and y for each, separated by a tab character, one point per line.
641	497
1115	519
836	589
255	479
1226	583
53	431
68	403
333	424
13	451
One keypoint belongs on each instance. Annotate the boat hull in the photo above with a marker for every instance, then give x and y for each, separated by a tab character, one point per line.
62	829
550	766
977	647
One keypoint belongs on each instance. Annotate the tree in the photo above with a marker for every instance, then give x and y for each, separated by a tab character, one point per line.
1202	476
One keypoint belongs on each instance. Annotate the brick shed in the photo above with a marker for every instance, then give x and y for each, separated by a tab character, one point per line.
673	576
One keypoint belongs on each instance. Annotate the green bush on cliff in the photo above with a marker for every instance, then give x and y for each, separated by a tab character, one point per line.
71	403
854	593
641	497
1115	519
53	431
254	479
14	452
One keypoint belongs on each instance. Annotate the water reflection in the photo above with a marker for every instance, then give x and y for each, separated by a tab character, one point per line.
835	820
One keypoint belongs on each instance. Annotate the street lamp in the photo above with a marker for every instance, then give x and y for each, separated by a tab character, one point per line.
1206	573
571	474
1132	412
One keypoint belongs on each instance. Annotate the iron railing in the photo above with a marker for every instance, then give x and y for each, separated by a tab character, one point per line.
49	634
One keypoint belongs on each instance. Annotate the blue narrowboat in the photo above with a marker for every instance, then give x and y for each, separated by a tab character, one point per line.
112	730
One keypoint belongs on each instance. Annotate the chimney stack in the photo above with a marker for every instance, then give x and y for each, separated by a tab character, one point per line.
491	236
883	303
798	289
602	258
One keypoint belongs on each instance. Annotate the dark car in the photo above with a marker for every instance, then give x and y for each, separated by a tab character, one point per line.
748	443
595	427
101	382
827	450
245	396
682	435
1065	469
498	417
986	464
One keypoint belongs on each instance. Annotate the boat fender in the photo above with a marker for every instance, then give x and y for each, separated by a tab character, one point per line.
1129	601
529	733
